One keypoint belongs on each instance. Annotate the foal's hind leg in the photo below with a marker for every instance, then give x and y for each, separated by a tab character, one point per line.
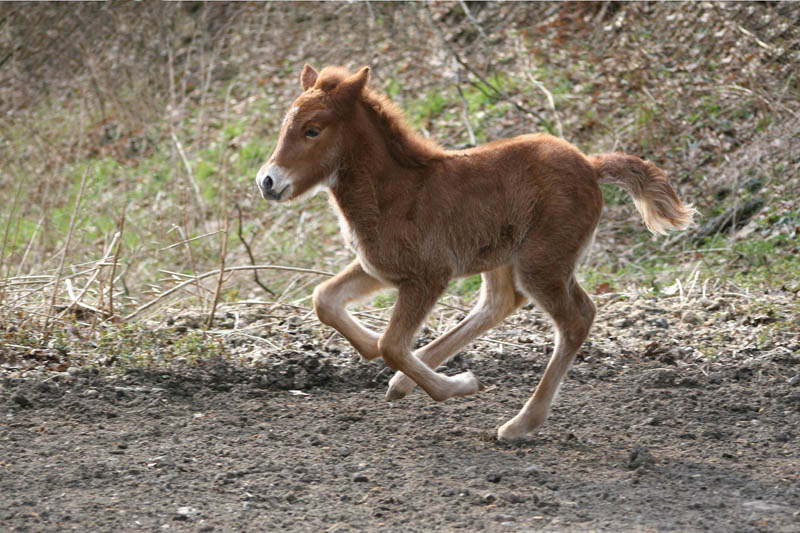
497	300
573	313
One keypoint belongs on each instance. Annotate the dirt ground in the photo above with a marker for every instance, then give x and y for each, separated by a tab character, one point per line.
646	436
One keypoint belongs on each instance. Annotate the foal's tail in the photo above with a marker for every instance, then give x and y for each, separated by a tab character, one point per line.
652	194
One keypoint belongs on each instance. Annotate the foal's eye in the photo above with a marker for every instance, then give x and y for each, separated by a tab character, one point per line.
312	132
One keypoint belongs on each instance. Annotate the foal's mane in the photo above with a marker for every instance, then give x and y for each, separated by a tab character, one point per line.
406	146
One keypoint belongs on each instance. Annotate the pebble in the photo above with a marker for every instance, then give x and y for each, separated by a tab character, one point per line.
294	321
187	513
653	421
690	317
758	505
513	497
794	381
640	456
488	498
494	477
660	323
22	401
533	469
360	477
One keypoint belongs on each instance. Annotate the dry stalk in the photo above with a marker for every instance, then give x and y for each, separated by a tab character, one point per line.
192	262
185	241
43	284
116	261
197	278
240	233
222	254
29	246
299	288
496	93
5	235
65	250
550	103
173	274
98	267
189	174
470	131
473	20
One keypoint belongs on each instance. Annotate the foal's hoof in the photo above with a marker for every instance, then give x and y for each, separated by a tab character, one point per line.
399	387
394	394
466	384
510	432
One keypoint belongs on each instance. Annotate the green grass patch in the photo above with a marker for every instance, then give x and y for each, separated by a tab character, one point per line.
134	346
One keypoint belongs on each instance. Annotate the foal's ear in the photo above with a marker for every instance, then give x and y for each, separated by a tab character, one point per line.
350	88
308	78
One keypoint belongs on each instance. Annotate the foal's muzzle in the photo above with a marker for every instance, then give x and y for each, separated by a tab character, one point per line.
272	182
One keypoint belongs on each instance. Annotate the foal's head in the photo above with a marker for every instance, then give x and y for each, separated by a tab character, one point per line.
312	135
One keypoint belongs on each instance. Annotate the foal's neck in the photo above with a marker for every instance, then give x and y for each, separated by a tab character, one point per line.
384	164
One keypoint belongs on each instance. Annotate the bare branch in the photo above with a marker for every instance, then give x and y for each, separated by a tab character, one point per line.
250	252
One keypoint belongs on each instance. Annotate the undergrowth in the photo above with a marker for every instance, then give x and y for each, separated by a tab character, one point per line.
167	148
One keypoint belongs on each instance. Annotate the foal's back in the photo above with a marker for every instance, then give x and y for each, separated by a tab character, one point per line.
503	192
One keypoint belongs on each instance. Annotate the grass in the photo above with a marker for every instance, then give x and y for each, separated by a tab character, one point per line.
691	121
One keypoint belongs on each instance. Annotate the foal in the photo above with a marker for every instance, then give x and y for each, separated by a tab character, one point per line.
522	212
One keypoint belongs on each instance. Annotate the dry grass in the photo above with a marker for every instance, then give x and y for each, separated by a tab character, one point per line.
167	110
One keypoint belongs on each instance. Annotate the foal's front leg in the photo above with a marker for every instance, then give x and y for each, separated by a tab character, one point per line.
414	302
498	299
330	302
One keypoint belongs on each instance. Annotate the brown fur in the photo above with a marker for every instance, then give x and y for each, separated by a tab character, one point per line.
520	211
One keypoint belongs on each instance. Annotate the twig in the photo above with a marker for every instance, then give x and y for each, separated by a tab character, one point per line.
193	263
250	252
189	173
28	247
203	236
502	343
245	335
299	288
44	285
550	103
472	19
753	36
98	267
116	261
175	274
7	231
470	131
249	302
6	58
197	278
222	254
66	250
499	94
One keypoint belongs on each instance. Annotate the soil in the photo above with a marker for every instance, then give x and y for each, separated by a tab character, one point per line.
647	435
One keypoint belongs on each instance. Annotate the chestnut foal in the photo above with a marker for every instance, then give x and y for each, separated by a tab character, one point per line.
522	212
